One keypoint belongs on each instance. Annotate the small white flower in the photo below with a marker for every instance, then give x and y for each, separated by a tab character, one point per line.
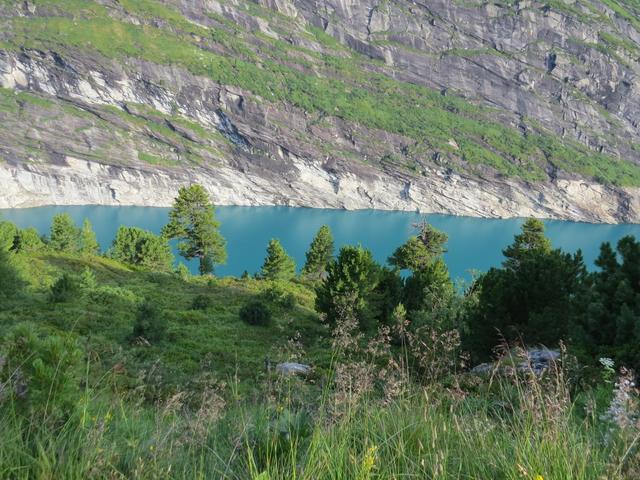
606	362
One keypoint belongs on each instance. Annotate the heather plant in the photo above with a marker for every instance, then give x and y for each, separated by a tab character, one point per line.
201	302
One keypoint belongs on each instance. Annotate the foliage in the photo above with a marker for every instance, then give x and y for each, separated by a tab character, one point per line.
8	233
429	282
419	251
256	313
88	242
202	302
319	255
278	265
192	220
155	409
531	299
64	289
151	323
39	372
609	321
10	281
427	286
64	235
139	247
278	294
28	240
350	282
531	239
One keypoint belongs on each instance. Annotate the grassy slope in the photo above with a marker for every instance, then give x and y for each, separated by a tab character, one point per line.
215	339
275	71
132	421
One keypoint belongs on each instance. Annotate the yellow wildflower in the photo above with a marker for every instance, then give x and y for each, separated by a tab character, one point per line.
368	462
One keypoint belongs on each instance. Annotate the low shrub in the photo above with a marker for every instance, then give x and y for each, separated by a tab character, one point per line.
278	295
201	302
151	323
64	289
256	313
108	295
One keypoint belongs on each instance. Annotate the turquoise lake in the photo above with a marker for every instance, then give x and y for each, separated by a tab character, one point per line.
474	243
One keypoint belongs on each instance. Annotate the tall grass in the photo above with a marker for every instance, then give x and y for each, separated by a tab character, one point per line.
515	428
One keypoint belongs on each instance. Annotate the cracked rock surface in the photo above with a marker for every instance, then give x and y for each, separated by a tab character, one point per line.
82	126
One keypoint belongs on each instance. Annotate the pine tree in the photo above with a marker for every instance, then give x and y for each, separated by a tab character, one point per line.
8	233
64	236
421	250
319	254
532	298
531	239
192	220
278	265
136	246
350	284
430	281
28	240
88	242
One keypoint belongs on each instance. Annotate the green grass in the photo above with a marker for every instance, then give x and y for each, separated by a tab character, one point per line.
217	333
430	437
199	403
372	100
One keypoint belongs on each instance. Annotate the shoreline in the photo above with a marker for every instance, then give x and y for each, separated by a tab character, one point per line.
83	182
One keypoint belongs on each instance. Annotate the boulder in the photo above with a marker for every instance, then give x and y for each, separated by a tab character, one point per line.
292	368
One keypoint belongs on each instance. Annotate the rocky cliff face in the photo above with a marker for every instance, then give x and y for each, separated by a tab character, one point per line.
490	109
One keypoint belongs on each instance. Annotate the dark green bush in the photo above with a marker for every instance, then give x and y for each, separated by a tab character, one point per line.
201	302
10	282
278	295
151	323
108	295
65	289
256	313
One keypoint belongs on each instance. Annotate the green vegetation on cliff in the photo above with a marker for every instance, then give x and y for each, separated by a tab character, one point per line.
334	82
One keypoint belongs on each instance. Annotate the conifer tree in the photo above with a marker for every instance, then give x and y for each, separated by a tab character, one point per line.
136	246
8	233
351	280
192	220
319	254
28	240
278	265
88	241
64	236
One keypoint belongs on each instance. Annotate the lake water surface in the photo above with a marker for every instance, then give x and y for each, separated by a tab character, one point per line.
474	243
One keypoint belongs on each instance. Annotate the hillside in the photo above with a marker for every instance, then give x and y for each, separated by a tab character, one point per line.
476	108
